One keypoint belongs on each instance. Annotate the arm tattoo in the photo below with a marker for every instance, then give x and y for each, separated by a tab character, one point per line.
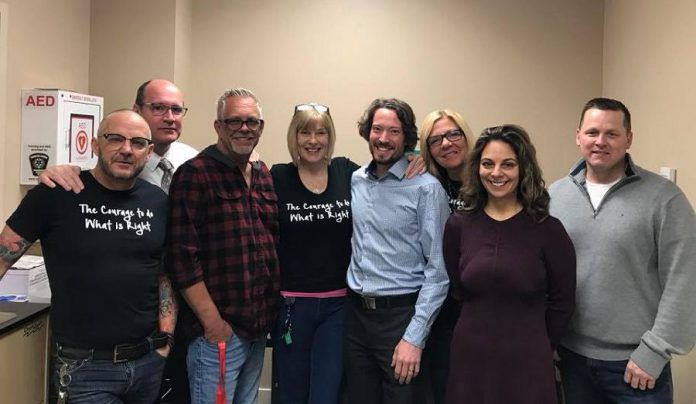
168	309
11	248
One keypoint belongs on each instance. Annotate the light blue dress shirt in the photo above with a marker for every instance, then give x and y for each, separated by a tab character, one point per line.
397	241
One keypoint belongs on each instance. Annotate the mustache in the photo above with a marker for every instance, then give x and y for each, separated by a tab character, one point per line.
243	135
124	159
381	143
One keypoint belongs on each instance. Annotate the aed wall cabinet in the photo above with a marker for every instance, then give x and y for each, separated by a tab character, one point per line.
57	128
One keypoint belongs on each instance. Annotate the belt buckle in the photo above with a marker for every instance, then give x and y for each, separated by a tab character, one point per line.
116	352
369	303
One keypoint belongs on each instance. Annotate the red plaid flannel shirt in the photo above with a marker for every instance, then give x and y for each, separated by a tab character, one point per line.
225	235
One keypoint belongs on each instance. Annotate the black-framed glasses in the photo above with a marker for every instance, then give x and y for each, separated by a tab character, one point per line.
116	141
312	105
161	109
453	135
235	124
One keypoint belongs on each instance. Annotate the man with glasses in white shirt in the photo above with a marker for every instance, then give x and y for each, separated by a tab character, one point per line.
161	104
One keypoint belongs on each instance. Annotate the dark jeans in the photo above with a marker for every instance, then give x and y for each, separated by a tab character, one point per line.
102	381
371	336
309	370
590	381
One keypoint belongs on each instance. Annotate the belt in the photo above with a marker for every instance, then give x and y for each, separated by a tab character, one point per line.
119	353
383	302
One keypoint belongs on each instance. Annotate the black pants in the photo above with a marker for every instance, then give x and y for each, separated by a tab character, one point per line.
435	366
175	386
371	336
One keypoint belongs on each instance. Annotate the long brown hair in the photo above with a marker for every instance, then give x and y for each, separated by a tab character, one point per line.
531	190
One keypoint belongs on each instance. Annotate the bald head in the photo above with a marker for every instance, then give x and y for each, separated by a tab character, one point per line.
120	116
154	97
122	146
156	86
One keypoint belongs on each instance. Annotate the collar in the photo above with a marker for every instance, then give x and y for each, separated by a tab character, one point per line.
213	152
153	161
397	170
579	170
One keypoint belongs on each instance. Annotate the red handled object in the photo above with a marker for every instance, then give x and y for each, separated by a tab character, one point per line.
220	392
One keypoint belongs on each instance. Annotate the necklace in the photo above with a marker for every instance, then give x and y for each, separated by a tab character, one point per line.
315	183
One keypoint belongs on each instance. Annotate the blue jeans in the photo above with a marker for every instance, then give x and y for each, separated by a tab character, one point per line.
243	363
103	382
309	370
588	380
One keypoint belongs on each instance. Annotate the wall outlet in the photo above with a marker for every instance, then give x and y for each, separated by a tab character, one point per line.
669	173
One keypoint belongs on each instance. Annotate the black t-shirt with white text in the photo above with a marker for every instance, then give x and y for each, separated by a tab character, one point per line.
315	229
102	250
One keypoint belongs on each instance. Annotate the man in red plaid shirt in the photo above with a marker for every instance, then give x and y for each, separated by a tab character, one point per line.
221	254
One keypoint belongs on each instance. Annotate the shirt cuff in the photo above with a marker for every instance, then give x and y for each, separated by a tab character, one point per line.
415	335
648	360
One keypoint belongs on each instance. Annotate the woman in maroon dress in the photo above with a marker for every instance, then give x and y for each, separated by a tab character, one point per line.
512	266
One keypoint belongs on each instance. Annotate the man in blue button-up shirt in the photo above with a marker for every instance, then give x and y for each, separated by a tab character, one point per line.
396	277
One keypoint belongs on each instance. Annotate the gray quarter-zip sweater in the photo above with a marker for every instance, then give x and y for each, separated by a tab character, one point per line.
636	268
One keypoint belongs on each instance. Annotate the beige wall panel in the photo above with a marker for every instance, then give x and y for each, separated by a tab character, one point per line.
533	63
3	95
183	34
48	46
131	41
649	63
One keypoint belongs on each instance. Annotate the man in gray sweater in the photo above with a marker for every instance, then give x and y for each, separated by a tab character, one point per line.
635	237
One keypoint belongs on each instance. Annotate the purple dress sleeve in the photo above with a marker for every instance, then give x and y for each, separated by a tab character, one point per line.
559	257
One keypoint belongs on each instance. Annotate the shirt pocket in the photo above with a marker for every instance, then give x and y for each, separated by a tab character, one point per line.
229	205
268	207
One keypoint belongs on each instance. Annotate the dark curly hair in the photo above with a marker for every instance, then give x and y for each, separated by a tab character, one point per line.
531	189
403	112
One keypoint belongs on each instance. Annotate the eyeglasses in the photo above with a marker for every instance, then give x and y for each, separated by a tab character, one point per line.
235	124
161	109
312	105
453	135
116	141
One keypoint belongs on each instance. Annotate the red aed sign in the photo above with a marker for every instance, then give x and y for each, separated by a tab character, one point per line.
41	101
81	140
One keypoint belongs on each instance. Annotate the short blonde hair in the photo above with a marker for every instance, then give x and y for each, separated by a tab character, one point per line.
302	120
426	128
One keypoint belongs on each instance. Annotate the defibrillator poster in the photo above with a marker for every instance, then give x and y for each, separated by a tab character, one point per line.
81	131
